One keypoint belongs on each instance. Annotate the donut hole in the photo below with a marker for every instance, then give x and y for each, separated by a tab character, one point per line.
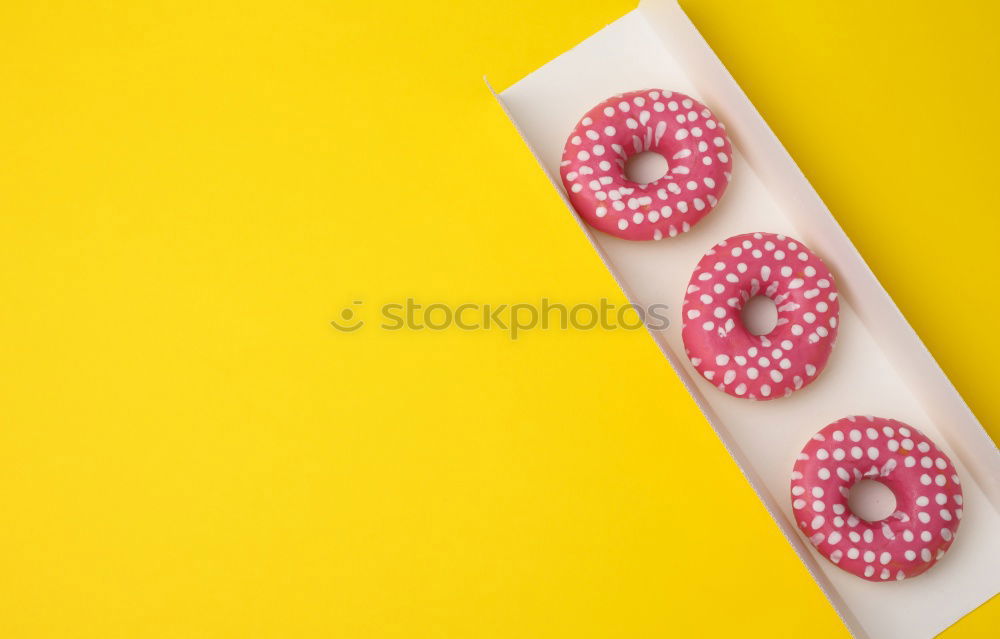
760	315
646	167
871	500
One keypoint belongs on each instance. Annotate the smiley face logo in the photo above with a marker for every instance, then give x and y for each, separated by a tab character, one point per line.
347	322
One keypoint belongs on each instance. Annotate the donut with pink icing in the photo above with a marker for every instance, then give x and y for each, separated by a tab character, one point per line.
923	480
676	126
719	345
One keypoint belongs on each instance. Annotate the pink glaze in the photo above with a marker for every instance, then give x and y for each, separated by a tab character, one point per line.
676	126
927	490
719	345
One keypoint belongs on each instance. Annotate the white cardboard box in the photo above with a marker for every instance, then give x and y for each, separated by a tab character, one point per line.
879	366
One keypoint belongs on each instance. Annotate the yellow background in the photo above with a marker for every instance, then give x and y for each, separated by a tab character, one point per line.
190	192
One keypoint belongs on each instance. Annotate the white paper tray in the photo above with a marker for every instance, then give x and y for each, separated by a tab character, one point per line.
879	366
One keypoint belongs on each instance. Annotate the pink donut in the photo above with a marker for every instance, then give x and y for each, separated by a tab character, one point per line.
760	366
676	126
927	490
